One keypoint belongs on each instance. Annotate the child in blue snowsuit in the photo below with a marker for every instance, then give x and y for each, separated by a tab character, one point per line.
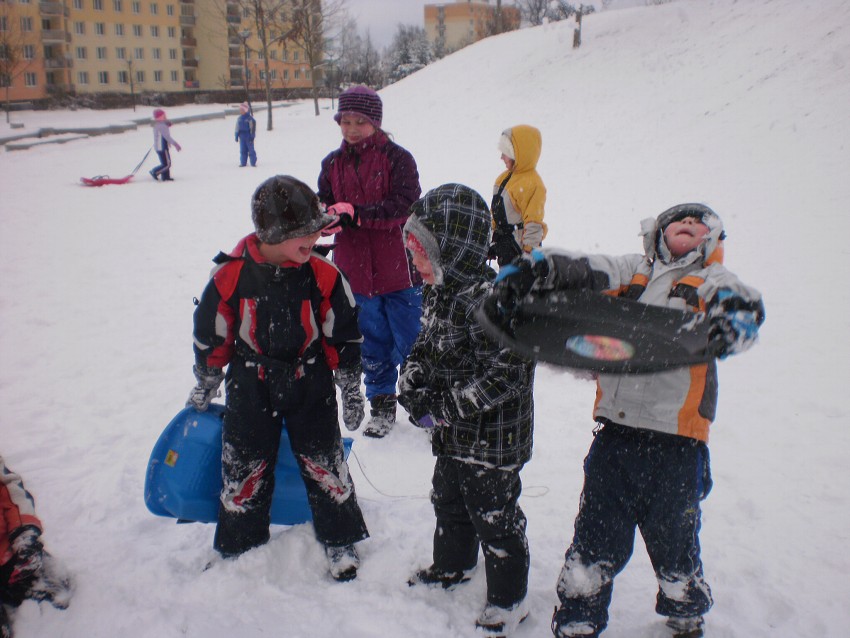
246	129
161	140
648	466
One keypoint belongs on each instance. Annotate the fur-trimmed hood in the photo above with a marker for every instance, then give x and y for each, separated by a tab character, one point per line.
652	231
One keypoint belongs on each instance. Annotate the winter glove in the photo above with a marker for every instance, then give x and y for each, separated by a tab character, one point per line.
178	147
36	574
517	279
423	406
353	402
209	379
346	217
734	324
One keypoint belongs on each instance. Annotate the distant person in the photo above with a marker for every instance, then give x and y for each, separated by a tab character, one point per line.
282	319
519	196
369	183
476	399
161	140
648	466
27	571
246	129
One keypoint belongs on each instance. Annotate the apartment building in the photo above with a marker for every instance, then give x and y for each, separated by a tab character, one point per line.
115	46
453	25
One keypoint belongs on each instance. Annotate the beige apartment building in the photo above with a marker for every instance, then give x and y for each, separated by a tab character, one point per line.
118	46
451	26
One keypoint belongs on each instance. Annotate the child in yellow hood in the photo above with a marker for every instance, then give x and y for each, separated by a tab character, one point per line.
519	196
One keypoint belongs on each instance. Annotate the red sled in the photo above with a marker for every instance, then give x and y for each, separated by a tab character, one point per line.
102	180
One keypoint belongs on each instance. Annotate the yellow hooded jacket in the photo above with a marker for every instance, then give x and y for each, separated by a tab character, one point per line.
526	194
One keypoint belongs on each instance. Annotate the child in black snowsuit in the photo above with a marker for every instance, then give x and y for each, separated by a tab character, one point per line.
648	467
476	398
282	318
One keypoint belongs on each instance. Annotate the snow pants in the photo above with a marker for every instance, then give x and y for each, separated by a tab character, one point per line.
256	409
389	324
163	171
644	479
246	150
478	505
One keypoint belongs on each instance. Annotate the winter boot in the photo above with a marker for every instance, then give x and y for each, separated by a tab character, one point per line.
343	562
382	416
434	577
501	622
686	627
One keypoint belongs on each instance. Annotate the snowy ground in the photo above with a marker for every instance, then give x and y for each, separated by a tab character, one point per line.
739	104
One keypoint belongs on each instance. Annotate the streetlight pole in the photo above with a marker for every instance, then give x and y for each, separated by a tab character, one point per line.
244	35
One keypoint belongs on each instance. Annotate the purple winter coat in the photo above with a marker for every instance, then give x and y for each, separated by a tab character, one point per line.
380	179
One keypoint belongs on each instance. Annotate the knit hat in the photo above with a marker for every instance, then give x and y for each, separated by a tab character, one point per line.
283	208
506	146
244	108
158	114
363	101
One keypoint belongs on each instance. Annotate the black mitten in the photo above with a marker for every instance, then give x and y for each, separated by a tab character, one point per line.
353	403
209	379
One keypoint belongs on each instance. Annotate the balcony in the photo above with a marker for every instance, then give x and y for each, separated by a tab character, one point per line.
188	41
53	9
234	19
190	63
57	63
191	84
235	63
54	35
187	21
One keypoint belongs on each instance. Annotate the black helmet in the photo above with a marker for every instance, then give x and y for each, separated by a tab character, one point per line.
283	207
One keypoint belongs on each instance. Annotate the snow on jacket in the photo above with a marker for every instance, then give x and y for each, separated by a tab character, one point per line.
524	195
161	135
269	314
17	510
491	387
681	401
246	125
381	180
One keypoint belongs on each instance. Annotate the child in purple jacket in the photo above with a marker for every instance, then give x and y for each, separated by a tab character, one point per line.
369	183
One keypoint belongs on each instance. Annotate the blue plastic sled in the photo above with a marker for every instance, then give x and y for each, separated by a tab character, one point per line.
184	472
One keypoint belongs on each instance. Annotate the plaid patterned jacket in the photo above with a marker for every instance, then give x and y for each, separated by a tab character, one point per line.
490	387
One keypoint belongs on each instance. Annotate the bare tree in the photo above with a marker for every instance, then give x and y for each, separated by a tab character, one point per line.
534	11
13	62
310	25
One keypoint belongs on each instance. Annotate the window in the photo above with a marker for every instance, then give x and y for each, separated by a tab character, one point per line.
174	77
83	77
123	77
284	55
117	5
103	77
78	4
169	9
273	54
99	28
286	74
119	29
82	54
29	52
157	54
26	23
30	79
273	74
80	28
121	53
172	54
295	56
154	31
101	53
137	7
97	5
3	24
172	32
157	76
140	77
154	9
137	30
139	53
297	74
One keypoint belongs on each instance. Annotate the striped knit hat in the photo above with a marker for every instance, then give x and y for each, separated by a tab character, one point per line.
363	101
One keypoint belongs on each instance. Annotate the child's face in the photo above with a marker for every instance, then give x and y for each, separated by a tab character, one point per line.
509	163
684	235
355	128
296	249
423	265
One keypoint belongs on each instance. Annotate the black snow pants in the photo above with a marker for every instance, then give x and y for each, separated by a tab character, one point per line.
256	410
477	504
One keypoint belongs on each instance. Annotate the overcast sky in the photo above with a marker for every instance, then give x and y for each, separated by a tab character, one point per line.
382	17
